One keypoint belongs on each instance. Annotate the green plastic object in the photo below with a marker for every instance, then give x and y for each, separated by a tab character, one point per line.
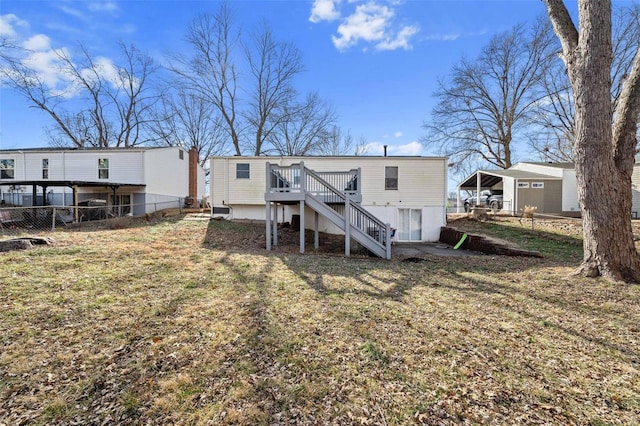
462	240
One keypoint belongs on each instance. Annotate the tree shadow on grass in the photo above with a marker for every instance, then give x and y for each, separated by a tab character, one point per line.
511	289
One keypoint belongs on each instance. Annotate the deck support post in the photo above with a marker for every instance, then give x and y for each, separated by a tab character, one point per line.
268	222
275	224
316	241
347	225
388	241
302	226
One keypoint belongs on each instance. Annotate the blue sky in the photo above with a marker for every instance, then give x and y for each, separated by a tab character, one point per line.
376	61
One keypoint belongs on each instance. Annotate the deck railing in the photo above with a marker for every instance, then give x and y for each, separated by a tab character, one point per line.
356	215
291	178
339	192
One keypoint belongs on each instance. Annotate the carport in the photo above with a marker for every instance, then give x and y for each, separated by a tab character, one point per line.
511	182
73	184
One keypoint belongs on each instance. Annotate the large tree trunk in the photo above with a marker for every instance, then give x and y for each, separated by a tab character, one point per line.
603	164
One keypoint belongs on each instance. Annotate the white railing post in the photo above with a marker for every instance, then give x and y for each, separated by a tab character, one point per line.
303	178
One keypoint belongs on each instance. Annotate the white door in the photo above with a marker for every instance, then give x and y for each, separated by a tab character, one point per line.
409	225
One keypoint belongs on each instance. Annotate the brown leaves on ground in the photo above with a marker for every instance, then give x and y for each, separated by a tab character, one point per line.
192	322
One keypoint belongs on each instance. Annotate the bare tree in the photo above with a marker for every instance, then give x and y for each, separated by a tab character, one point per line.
211	71
487	101
302	129
604	153
117	100
273	65
189	121
340	142
253	87
553	120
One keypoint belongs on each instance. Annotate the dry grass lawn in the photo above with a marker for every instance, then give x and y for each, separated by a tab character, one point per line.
190	322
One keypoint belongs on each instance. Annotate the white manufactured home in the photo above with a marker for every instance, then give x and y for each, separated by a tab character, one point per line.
135	180
407	194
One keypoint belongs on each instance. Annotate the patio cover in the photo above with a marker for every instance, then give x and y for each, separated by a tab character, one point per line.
489	178
46	183
486	179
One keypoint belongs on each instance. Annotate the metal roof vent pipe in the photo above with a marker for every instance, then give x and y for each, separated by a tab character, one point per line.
385	150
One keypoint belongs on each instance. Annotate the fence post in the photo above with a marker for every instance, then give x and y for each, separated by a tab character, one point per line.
53	219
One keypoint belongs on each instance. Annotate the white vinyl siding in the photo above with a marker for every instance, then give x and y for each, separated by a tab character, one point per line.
423	178
164	173
422	189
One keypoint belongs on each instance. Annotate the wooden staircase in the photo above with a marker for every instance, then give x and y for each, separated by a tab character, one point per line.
334	195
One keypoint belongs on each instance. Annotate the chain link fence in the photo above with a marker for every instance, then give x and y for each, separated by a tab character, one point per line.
22	221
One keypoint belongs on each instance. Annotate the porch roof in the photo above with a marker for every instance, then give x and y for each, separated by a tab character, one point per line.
68	183
489	178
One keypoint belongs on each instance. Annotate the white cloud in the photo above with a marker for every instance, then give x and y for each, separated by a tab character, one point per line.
8	24
399	40
107	70
44	61
443	37
373	22
324	10
71	11
106	6
410	149
38	42
397	134
367	23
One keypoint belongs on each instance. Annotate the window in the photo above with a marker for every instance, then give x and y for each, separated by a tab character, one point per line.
103	168
7	169
181	154
45	168
537	185
523	184
390	177
243	171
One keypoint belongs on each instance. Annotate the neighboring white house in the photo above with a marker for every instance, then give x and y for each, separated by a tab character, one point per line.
139	180
409	193
635	191
552	187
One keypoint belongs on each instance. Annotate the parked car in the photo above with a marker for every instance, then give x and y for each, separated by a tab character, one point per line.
491	199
